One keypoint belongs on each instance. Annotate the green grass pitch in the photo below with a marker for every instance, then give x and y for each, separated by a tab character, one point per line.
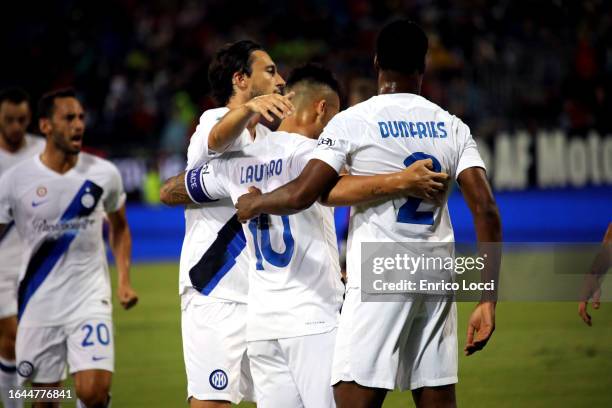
541	355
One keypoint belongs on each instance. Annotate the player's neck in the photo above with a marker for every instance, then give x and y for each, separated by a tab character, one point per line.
57	160
11	147
390	82
296	124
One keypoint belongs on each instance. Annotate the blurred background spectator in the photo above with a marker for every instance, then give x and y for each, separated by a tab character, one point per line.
141	66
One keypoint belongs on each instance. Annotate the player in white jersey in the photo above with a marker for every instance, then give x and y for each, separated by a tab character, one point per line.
295	290
15	145
411	344
213	281
58	202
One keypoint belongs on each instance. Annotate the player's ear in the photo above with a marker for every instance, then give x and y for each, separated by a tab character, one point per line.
321	108
44	124
239	80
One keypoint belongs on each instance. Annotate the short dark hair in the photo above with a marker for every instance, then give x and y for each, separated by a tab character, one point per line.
14	95
232	58
314	74
46	104
401	46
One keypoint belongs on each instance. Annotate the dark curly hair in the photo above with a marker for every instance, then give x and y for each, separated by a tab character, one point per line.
232	58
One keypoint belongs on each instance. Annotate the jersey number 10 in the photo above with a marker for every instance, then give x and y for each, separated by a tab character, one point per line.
278	259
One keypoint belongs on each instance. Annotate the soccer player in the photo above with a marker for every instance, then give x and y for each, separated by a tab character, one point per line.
591	289
58	201
411	344
295	290
15	145
213	281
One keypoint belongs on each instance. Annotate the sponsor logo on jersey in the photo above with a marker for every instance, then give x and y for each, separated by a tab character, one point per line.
25	369
37	203
43	226
218	379
326	141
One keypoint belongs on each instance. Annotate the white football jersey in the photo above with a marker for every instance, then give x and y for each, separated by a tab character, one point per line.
213	260
294	278
11	249
386	134
59	217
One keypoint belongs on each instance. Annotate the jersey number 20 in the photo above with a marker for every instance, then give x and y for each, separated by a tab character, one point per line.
278	259
408	213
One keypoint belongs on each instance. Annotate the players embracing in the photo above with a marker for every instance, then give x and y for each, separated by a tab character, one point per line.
410	344
280	356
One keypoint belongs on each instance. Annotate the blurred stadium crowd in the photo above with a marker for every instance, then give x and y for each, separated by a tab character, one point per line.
141	66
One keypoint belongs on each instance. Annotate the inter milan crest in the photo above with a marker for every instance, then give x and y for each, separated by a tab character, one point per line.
218	379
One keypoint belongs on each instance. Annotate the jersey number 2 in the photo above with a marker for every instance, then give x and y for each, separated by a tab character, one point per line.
278	259
408	213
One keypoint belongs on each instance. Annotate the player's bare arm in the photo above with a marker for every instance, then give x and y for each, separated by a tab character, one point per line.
2	229
591	289
316	179
229	128
121	246
418	180
479	197
174	192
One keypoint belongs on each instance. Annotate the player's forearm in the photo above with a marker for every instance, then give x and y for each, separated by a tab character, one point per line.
229	128
487	223
174	192
121	247
289	199
353	190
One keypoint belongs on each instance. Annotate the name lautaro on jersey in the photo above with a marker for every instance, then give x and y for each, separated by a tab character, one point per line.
257	172
401	128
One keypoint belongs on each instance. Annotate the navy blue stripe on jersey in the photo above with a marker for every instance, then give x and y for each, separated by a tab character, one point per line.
219	258
195	188
44	259
5	233
7	368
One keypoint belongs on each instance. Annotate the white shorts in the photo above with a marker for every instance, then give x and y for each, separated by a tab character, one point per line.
293	372
214	348
42	352
405	345
8	299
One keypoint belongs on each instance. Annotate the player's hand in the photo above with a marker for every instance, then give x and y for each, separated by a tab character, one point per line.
482	325
419	180
583	306
127	296
272	104
245	205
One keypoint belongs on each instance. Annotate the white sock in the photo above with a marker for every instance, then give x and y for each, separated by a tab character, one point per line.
9	379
